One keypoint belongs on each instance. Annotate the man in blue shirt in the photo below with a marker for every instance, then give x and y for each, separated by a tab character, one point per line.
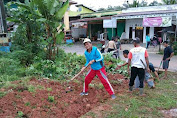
95	59
148	40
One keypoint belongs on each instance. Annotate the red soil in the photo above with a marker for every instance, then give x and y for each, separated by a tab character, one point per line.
65	105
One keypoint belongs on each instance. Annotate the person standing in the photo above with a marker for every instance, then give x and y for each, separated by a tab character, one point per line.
148	40
118	46
95	59
147	75
168	54
111	45
135	56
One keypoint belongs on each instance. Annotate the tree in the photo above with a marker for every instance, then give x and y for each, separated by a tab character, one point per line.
25	15
48	15
135	3
52	12
169	2
101	9
29	37
154	3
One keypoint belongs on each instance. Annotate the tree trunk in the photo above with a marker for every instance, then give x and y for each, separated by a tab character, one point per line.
29	33
49	45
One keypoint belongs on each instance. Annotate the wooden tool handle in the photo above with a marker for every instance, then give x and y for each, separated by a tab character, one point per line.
79	72
145	67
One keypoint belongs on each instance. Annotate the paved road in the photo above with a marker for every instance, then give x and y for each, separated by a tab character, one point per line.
153	56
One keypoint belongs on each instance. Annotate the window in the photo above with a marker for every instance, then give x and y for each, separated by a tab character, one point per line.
80	9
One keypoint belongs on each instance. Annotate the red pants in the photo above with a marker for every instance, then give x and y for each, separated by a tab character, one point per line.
102	76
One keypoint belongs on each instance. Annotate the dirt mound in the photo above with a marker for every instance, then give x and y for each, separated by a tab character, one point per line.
47	98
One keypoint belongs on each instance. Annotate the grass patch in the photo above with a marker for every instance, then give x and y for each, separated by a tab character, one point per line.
2	94
49	89
132	106
27	104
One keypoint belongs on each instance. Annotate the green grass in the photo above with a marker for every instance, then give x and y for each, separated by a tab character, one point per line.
163	97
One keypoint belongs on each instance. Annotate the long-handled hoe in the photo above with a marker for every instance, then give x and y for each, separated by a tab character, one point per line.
69	87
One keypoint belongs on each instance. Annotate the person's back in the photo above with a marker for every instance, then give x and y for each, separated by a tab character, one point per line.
137	54
111	44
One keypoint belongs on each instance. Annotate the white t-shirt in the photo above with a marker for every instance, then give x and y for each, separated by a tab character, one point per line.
136	54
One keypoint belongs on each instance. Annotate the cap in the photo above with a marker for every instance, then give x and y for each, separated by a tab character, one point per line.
136	40
86	40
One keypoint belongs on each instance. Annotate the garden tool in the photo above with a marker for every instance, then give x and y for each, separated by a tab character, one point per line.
79	73
69	88
146	68
159	67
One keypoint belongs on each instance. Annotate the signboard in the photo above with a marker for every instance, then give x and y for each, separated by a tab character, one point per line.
157	22
139	28
80	25
110	23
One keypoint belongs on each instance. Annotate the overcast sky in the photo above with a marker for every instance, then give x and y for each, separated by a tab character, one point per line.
96	4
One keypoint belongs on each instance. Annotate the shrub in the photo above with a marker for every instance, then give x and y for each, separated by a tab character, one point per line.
175	47
10	67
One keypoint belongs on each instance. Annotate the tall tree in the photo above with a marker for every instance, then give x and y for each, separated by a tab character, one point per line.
169	2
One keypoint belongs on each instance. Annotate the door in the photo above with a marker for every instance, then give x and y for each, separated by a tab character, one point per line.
130	33
139	33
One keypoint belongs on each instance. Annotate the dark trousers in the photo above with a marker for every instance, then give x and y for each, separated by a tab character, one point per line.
141	74
110	49
148	43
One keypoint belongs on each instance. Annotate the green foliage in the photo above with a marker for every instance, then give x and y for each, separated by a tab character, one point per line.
112	65
27	104
20	114
65	66
49	89
2	94
31	88
51	98
169	2
175	48
10	68
51	14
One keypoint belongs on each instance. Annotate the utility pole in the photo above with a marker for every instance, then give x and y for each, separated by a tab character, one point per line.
3	17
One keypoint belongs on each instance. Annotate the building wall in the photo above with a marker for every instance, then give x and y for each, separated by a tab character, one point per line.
66	21
134	23
83	10
120	28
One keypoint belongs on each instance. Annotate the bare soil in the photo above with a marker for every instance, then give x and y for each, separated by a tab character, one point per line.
67	101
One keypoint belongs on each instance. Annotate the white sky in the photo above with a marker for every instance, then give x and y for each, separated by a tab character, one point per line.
96	4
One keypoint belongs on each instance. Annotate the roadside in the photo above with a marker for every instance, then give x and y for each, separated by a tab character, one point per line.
160	102
154	58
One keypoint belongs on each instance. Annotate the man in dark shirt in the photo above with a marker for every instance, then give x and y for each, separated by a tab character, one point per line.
168	54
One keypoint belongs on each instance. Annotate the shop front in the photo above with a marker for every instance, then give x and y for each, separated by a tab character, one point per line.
140	24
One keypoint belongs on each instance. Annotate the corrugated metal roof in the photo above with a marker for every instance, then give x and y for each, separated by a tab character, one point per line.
146	13
90	19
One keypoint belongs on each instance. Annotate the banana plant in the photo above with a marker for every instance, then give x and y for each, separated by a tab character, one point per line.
25	15
51	13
